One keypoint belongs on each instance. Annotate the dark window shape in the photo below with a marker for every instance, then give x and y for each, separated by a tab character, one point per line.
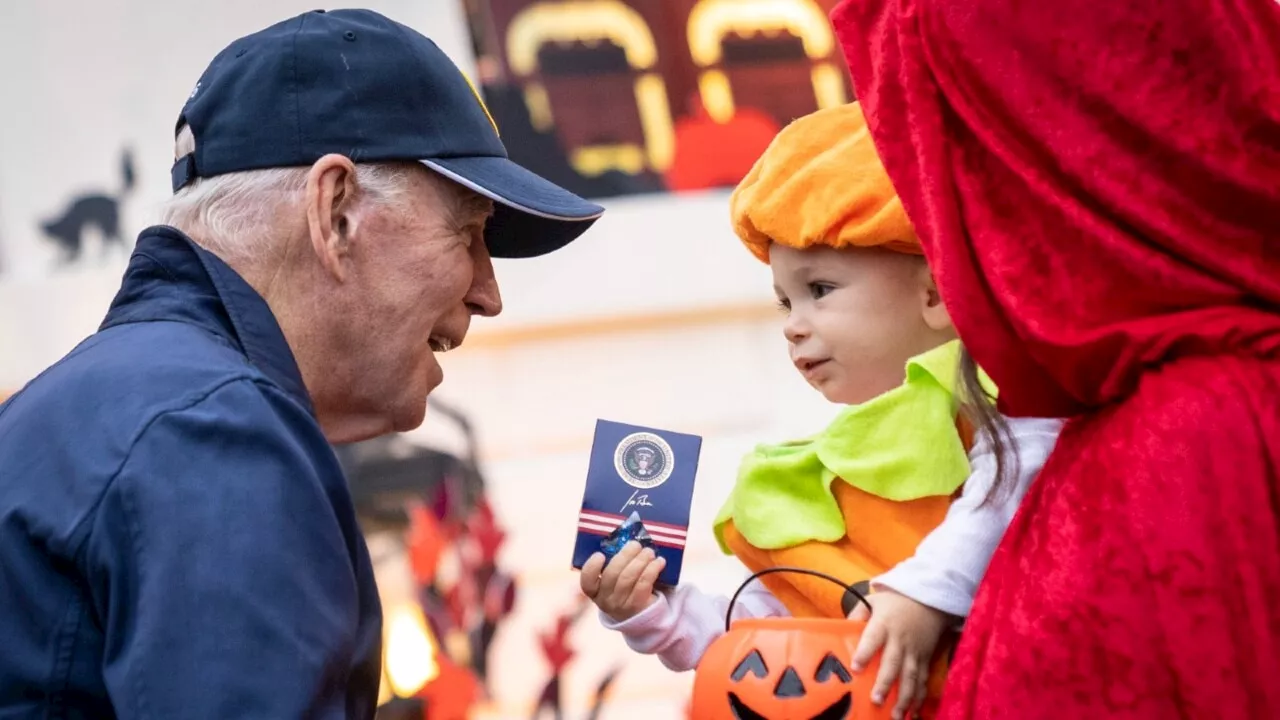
758	49
571	59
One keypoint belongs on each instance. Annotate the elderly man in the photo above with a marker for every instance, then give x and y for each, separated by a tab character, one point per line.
176	536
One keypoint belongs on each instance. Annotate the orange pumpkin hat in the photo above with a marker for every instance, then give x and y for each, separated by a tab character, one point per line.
820	182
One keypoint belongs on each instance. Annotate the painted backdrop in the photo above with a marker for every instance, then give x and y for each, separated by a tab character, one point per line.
614	97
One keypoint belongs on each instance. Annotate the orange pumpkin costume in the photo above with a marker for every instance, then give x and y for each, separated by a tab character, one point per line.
864	552
858	499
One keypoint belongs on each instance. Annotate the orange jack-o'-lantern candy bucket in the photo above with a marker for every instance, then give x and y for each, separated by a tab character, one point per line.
795	669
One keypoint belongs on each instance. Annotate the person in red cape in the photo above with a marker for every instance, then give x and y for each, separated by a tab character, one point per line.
1097	187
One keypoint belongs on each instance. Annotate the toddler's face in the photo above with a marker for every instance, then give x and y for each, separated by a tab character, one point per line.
855	316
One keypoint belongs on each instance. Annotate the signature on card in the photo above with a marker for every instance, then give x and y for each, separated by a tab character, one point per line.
636	500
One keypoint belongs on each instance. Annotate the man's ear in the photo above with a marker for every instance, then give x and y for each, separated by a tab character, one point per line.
932	308
331	185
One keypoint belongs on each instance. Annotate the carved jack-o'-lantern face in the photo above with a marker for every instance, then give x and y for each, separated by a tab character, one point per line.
790	686
791	669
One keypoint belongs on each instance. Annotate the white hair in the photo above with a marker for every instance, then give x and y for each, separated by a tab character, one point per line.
235	215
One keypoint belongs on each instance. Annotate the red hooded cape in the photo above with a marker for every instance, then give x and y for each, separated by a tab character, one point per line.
1097	187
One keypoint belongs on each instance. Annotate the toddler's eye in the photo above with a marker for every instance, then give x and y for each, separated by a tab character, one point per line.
784	305
818	290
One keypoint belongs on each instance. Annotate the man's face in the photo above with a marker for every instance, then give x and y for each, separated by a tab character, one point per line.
417	270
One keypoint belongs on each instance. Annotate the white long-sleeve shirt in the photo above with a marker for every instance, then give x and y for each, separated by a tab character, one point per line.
943	573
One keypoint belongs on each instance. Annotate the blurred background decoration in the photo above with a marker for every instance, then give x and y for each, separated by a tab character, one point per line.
558	652
656	317
428	509
692	90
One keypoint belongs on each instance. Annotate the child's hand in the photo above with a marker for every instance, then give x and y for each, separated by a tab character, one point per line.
908	632
624	587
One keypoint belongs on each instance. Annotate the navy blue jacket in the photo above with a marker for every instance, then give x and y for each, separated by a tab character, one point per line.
177	539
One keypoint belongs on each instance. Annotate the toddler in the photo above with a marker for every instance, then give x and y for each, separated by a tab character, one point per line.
910	487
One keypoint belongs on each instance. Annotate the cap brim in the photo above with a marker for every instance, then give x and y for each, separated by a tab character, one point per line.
532	216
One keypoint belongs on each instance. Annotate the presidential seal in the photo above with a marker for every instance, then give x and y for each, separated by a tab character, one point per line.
644	460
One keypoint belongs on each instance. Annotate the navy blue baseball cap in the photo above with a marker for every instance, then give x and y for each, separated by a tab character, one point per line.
356	83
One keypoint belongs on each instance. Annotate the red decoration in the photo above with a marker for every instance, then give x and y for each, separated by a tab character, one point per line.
558	653
452	694
713	154
555	644
499	596
485	532
426	543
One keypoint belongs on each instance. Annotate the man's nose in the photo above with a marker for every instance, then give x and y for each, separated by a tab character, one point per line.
483	298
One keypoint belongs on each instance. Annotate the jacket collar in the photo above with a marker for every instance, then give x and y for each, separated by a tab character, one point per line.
171	278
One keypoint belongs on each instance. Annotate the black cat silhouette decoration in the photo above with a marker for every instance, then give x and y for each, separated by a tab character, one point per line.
98	210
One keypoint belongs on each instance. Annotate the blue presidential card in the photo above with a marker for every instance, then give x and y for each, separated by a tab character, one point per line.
639	487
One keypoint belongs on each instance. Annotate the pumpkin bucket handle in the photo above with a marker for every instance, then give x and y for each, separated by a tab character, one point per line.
728	615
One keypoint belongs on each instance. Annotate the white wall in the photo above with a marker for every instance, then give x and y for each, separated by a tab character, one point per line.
82	78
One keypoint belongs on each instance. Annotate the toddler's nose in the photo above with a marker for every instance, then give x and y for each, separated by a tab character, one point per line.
795	329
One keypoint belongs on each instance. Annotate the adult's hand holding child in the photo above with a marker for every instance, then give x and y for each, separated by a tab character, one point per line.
622	587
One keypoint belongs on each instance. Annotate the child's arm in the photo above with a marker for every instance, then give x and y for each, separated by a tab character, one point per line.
680	624
676	625
949	563
919	597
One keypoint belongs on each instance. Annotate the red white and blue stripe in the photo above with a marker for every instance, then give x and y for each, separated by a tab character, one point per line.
597	523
